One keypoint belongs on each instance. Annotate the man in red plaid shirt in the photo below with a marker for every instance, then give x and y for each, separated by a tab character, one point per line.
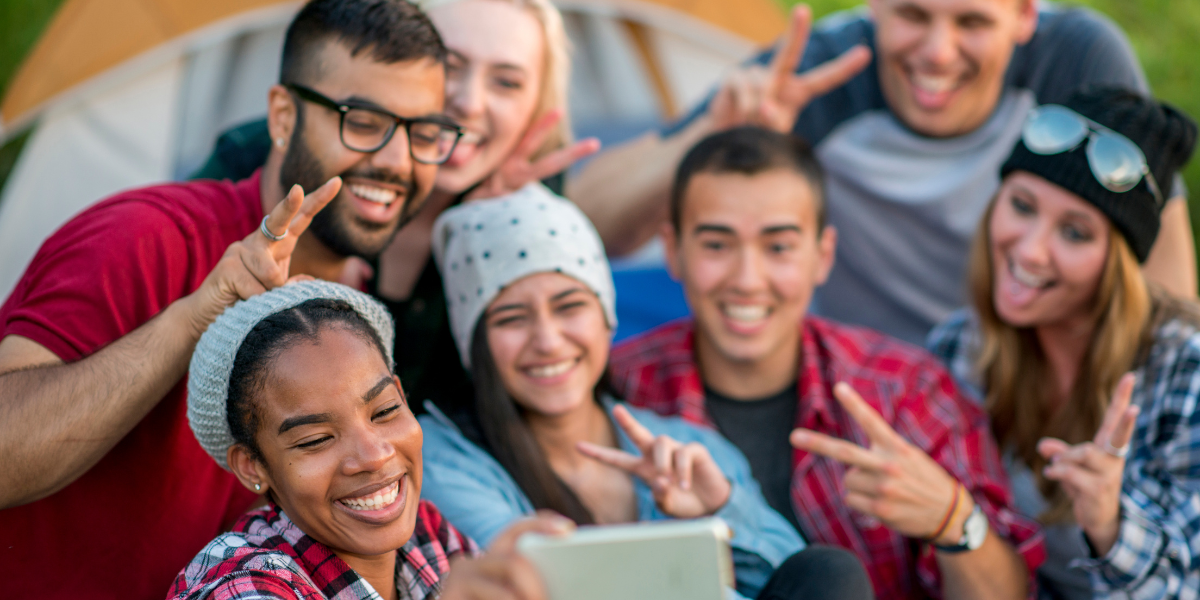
890	460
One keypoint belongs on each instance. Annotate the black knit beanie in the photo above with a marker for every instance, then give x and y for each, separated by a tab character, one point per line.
1165	135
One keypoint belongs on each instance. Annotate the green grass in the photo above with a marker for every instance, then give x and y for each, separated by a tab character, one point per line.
1164	34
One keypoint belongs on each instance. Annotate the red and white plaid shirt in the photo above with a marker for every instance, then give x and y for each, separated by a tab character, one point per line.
909	387
267	556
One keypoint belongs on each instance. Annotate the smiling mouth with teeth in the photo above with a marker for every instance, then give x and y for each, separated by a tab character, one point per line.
547	371
374	501
374	194
1026	278
935	84
745	313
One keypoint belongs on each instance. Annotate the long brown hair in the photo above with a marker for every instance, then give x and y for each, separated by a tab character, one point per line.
512	443
1017	380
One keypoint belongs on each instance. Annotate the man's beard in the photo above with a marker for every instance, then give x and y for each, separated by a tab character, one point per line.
335	225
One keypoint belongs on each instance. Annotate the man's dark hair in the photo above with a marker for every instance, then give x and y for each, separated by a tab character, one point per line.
391	30
749	150
266	341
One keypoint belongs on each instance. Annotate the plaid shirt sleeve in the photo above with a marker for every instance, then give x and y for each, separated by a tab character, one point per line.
1157	552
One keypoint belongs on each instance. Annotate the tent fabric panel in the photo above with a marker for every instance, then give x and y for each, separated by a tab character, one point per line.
88	37
760	21
79	44
225	85
81	153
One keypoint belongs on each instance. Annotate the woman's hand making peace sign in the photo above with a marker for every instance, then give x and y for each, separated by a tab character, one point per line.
1091	472
684	478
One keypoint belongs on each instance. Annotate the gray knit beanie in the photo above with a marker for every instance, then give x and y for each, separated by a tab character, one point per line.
212	362
482	246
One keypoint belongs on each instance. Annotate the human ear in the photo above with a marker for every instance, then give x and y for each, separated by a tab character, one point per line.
281	116
249	471
826	251
1027	18
671	240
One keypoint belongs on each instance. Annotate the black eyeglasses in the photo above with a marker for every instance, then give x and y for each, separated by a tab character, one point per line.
363	129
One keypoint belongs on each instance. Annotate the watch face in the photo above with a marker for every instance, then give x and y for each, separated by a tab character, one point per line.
975	529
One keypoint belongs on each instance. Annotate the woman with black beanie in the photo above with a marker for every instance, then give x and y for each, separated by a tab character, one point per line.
1091	375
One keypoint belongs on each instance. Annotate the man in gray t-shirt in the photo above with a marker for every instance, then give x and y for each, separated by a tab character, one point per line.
911	108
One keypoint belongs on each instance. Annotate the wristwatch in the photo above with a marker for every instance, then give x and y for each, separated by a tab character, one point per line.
975	530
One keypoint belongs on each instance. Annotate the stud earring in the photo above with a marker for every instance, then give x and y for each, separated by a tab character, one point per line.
279	142
258	487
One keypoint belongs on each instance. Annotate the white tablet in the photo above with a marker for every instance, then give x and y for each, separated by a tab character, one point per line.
660	560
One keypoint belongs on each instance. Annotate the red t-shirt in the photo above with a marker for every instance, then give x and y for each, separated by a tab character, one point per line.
127	526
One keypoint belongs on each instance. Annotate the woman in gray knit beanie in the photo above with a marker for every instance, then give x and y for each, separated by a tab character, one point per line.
533	310
294	392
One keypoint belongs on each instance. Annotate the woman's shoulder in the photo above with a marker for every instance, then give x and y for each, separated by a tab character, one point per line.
443	436
233	566
955	342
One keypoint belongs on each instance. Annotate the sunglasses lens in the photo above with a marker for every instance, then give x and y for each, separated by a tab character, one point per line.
1052	129
1117	163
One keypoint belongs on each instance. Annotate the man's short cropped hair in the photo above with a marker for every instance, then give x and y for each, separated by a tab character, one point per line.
749	150
391	30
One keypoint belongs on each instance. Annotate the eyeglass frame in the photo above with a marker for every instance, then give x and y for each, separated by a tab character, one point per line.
311	95
1094	128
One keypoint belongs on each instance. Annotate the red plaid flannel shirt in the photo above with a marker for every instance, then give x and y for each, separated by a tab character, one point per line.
267	556
903	383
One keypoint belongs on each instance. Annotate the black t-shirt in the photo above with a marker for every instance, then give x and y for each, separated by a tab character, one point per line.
760	428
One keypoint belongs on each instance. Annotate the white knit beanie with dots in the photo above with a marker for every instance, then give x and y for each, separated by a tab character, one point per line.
212	362
482	246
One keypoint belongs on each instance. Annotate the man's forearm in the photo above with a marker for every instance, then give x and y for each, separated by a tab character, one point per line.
994	571
58	421
625	190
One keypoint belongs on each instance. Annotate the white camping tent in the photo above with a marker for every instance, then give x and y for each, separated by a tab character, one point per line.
129	92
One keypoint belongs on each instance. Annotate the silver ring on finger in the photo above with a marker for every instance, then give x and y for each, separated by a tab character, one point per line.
267	232
1117	452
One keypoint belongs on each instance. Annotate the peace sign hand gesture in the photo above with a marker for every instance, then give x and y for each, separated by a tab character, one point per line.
258	263
891	480
684	478
773	97
1091	472
519	169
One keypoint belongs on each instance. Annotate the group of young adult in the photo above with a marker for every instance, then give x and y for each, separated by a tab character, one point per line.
177	355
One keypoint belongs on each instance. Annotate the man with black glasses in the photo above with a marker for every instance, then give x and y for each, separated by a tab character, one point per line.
103	486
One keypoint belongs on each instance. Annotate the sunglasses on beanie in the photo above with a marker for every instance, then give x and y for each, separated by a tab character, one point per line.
1116	162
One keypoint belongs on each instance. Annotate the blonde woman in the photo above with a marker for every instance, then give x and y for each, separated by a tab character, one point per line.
1091	376
506	84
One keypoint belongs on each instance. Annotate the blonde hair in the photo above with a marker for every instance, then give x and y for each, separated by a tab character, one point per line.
1017	380
556	67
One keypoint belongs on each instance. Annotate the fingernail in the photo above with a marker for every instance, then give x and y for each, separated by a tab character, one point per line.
799	437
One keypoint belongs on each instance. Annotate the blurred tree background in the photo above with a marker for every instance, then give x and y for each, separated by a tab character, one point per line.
1164	35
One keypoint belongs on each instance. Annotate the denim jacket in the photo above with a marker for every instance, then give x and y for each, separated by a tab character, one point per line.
475	493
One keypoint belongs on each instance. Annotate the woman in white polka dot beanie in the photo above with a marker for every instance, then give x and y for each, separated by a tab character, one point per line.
532	309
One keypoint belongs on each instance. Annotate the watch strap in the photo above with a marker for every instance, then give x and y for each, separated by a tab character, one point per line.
964	544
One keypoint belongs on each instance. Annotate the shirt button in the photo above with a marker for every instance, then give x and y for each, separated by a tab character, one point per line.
418	306
1174	553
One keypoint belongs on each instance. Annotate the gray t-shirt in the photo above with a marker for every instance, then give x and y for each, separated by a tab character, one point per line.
907	206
